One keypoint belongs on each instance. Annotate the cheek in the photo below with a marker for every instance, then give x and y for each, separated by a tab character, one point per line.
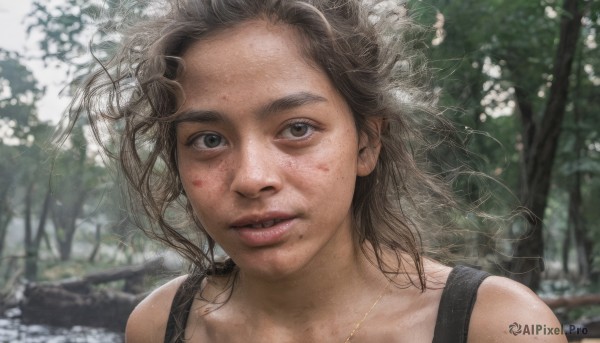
190	177
201	183
323	167
332	169
336	156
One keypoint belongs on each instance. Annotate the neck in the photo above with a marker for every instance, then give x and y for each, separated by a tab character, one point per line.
318	290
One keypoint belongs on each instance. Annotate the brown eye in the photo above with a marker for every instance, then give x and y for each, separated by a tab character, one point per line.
298	131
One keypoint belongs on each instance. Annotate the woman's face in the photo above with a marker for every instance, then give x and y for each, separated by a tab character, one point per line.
268	153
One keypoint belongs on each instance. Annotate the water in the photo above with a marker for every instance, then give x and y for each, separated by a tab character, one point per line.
12	331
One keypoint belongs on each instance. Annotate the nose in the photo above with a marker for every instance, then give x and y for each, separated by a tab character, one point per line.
255	173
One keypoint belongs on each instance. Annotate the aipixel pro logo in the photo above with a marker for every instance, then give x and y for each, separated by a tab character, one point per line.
515	328
542	329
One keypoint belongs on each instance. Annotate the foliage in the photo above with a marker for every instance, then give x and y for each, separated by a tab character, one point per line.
73	28
19	93
19	128
496	61
42	184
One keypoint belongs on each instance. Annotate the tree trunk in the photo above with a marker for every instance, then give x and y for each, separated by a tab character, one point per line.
576	220
33	242
41	230
583	246
77	302
65	223
573	301
5	218
566	248
30	253
56	306
538	157
97	242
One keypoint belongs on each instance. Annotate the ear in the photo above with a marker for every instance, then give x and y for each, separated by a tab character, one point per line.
369	146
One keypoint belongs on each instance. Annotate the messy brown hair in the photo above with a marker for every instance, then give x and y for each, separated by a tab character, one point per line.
373	54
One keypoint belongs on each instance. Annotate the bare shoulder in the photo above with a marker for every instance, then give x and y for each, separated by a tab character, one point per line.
148	321
507	311
436	273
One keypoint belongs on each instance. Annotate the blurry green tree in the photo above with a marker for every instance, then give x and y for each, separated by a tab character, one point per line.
23	168
503	57
70	29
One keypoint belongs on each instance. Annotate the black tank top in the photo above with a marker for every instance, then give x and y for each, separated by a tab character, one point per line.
451	326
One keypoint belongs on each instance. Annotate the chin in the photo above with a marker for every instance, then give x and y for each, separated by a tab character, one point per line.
271	265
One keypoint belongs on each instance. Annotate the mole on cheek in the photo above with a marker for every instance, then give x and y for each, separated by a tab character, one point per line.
197	183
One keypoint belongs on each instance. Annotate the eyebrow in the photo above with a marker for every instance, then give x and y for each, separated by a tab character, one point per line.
282	104
200	116
289	102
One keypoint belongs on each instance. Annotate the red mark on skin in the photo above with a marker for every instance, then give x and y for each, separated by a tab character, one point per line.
197	183
323	167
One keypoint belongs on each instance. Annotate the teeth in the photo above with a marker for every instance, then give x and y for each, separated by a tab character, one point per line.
266	224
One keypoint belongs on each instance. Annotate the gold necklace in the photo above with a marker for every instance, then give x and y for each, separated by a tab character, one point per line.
357	326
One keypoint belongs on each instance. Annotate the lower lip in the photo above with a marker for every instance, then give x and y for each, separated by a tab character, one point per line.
260	237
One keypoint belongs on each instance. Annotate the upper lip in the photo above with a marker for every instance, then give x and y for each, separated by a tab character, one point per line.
253	219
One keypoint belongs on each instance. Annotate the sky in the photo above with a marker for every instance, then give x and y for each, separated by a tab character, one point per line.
14	38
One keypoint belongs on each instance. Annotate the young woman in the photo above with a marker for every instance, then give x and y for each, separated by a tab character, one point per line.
290	132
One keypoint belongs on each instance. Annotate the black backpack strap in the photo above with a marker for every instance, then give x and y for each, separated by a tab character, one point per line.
456	305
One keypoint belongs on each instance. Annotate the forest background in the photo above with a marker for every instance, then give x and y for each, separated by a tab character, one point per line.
522	77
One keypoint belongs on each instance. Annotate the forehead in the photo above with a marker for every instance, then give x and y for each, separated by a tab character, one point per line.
250	63
252	44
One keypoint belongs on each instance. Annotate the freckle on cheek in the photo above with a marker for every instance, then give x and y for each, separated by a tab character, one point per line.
197	183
